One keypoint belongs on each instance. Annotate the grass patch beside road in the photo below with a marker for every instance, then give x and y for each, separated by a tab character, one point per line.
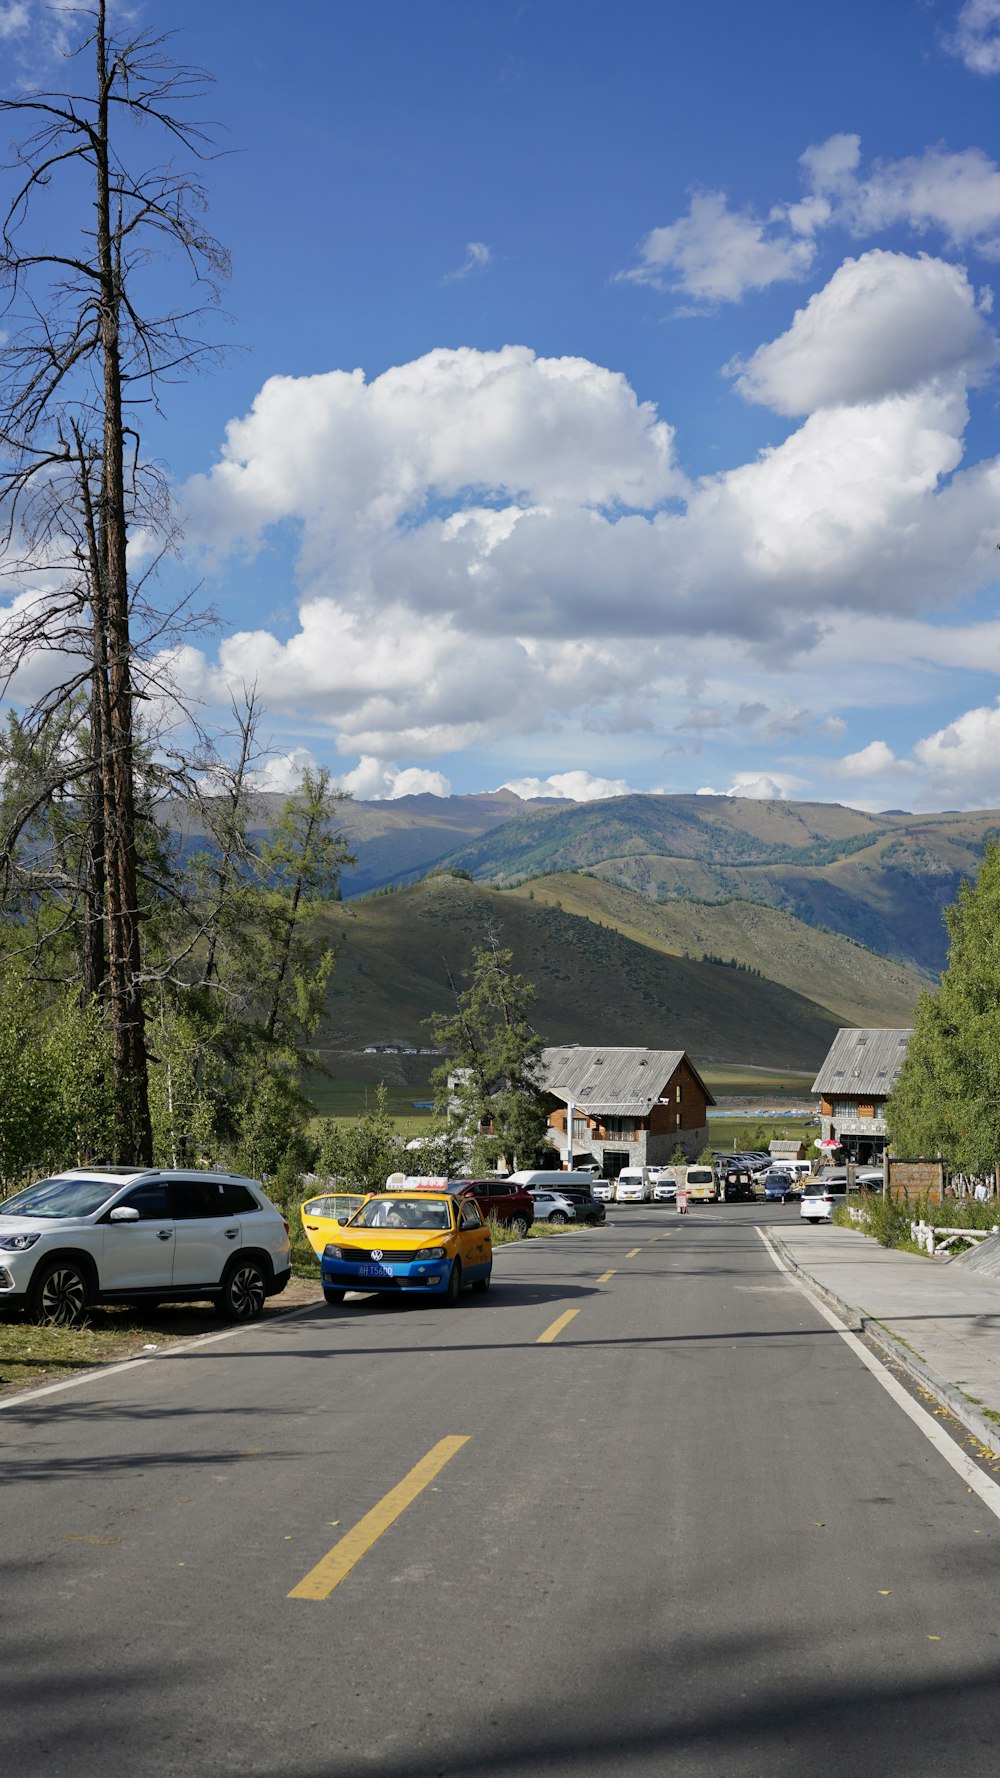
889	1223
33	1355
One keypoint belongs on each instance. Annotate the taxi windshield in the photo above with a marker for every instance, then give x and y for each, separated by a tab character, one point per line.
403	1213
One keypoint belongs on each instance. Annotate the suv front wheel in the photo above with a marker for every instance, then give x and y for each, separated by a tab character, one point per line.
59	1294
244	1290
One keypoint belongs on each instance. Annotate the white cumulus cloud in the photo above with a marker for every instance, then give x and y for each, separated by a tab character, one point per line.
872	761
376	780
976	37
350	458
576	786
715	254
765	786
962	760
759	787
883	325
285	771
953	191
490	541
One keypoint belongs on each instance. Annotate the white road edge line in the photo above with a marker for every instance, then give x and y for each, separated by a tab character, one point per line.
983	1485
100	1371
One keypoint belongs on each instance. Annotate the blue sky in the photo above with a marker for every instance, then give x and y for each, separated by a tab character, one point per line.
616	400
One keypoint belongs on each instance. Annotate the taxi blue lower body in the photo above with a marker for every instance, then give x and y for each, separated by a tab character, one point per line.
400	1272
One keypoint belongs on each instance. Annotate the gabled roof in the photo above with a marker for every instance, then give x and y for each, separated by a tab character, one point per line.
613	1082
863	1062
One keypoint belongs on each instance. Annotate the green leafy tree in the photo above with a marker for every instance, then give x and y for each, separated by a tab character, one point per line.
947	1097
261	964
494	1062
56	1082
79	1064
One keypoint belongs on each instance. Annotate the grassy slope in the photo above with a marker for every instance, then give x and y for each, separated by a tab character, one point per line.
593	986
882	880
855	984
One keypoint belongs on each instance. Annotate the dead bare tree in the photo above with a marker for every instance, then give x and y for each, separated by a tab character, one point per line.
85	352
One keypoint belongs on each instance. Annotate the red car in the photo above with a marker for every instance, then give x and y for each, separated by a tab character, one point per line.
500	1200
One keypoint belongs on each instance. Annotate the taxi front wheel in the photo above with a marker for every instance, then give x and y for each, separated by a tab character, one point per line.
482	1284
453	1286
333	1297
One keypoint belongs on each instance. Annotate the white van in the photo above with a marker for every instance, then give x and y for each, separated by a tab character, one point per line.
694	1177
633	1186
700	1182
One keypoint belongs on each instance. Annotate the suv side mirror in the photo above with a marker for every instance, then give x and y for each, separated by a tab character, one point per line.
124	1213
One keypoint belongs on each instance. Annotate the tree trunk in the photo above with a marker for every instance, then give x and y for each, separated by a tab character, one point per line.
135	1139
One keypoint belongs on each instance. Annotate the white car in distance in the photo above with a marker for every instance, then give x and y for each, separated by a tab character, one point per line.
551	1206
819	1201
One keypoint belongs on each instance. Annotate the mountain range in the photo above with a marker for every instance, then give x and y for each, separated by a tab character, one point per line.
882	880
744	931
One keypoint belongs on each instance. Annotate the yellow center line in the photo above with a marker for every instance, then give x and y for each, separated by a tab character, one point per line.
632	1252
553	1332
338	1562
605	1276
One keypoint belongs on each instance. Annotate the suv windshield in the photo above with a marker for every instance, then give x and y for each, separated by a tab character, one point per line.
61	1197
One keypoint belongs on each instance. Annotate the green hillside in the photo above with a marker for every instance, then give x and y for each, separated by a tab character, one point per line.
882	880
594	986
859	986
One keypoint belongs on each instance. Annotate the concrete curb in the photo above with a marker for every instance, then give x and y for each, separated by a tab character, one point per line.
948	1394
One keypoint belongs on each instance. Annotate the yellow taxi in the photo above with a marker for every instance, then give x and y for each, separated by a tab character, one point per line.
322	1216
430	1243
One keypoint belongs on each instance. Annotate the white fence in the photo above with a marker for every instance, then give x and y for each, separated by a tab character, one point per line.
934	1239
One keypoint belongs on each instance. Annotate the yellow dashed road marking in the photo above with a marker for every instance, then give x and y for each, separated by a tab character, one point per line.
632	1252
338	1562
553	1332
605	1276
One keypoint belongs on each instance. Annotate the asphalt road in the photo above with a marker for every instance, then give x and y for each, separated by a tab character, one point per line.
687	1534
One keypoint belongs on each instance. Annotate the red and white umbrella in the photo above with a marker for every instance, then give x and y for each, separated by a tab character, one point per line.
827	1142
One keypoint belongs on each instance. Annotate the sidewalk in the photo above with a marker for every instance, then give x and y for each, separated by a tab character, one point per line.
939	1321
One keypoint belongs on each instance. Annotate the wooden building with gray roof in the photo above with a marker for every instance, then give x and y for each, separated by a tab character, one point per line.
630	1107
853	1084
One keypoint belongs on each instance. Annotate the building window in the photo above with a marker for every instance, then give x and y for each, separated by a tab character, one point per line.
581	1129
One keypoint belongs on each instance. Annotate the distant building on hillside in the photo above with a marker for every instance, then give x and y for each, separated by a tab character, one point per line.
631	1107
853	1084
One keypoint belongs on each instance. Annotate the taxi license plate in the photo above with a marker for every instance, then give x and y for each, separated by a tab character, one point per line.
376	1271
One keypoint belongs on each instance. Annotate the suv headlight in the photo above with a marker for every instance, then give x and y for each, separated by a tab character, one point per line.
19	1243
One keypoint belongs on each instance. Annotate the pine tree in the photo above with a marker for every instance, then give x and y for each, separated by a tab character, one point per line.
494	1054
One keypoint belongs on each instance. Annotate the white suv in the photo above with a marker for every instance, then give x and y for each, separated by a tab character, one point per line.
118	1234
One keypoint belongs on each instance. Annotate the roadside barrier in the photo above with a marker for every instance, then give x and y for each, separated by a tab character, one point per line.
931	1238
